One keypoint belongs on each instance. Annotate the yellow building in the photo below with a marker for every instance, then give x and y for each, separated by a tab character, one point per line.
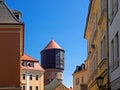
96	35
80	78
32	74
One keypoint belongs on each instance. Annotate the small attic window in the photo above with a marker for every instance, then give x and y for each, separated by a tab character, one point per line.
24	63
31	64
17	14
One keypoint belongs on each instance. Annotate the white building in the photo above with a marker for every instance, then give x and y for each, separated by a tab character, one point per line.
32	74
114	43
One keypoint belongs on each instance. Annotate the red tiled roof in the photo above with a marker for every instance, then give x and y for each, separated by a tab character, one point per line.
37	66
52	45
28	58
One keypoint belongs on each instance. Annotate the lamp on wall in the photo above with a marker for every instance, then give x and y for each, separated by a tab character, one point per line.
99	82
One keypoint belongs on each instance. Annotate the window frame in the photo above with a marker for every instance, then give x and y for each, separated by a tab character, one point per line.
115	52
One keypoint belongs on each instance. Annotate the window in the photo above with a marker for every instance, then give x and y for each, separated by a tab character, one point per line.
36	87
23	88
57	59
36	77
31	64
115	52
77	81
24	63
113	8
30	87
82	80
23	76
31	77
112	55
103	48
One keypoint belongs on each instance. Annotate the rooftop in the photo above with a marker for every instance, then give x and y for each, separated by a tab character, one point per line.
6	15
52	45
37	66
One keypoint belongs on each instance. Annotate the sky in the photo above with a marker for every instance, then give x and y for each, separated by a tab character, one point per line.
61	20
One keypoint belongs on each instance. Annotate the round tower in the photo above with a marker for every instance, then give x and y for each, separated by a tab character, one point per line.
52	60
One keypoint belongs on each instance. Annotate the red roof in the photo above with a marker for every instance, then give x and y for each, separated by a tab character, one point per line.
28	58
37	66
52	45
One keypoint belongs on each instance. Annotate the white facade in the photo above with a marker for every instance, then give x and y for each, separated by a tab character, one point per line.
114	43
34	83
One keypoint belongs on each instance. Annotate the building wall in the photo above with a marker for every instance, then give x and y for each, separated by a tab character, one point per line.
11	50
79	78
34	83
96	35
51	74
114	28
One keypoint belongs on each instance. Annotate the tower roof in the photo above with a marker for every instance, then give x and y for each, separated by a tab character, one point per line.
52	45
6	15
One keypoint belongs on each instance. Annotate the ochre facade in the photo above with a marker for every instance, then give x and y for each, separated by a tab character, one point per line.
96	36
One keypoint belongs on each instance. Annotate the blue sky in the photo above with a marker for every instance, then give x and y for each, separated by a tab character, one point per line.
61	20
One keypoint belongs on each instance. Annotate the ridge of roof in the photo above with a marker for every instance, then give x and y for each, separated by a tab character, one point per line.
7	16
52	45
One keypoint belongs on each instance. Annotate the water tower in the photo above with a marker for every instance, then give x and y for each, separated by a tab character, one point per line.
52	60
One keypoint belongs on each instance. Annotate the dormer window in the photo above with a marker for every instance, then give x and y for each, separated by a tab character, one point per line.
24	63
31	64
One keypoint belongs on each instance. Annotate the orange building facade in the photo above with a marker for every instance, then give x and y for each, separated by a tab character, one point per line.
11	48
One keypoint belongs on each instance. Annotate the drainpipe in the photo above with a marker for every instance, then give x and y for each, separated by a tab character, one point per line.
107	22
